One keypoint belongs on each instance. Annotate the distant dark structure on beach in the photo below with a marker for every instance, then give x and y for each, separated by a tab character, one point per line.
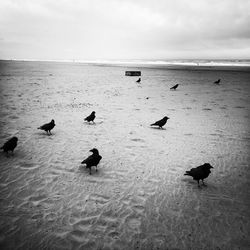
48	126
92	160
91	117
175	87
139	80
217	82
200	172
132	73
161	122
10	145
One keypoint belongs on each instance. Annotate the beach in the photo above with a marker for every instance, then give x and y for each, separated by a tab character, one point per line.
139	198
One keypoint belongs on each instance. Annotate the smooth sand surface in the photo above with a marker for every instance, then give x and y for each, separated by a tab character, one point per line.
139	198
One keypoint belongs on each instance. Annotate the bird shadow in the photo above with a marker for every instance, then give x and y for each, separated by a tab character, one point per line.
44	135
93	123
158	128
90	123
84	170
7	155
193	183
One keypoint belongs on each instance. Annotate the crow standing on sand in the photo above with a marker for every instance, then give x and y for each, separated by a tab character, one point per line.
175	87
200	173
139	80
91	117
10	145
217	82
92	160
48	126
161	122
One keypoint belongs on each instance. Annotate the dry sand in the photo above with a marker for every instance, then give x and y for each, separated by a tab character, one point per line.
139	198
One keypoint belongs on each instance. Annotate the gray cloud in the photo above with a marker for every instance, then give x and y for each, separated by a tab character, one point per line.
113	29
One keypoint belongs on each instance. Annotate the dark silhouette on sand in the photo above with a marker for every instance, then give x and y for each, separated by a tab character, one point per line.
91	117
92	160
217	82
48	126
139	80
10	145
200	172
161	122
175	87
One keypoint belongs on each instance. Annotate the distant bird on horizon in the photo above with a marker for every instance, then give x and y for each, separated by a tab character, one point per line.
174	87
161	122
10	145
92	160
139	80
48	126
200	173
91	117
217	82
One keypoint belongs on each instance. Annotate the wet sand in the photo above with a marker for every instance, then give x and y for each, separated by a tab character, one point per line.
139	198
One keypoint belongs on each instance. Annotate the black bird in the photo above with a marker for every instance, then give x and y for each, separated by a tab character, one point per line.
48	126
161	122
217	82
92	160
10	145
200	172
91	117
175	87
139	80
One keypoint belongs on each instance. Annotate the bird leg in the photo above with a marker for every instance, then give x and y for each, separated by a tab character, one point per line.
198	183
203	183
96	168
90	170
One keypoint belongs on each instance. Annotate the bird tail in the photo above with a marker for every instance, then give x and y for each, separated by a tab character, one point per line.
83	162
152	124
187	173
39	128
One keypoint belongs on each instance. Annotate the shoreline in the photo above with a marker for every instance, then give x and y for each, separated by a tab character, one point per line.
164	66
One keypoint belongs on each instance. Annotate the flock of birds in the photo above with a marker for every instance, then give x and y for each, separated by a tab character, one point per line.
198	173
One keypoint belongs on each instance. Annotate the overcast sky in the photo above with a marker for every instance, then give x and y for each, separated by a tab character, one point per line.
124	29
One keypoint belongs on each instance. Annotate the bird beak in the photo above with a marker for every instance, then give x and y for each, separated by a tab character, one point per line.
91	150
